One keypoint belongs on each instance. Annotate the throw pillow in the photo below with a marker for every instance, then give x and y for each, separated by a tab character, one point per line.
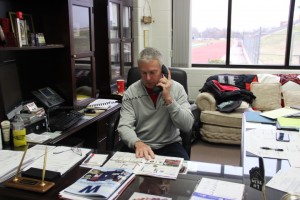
268	96
291	98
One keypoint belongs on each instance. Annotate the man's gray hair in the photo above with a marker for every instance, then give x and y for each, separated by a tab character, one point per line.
150	53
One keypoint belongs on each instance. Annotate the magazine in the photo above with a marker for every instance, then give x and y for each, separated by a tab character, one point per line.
99	183
161	166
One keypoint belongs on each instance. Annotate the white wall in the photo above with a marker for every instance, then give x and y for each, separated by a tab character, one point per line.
159	31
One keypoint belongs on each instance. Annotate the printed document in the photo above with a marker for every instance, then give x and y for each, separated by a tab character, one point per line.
263	143
60	159
216	189
161	166
287	180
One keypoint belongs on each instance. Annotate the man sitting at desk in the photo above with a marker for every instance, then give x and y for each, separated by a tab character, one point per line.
150	121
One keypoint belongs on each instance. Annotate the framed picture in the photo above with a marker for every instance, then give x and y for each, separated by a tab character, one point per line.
28	19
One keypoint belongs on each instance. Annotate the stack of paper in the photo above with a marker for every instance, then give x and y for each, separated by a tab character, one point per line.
60	159
9	162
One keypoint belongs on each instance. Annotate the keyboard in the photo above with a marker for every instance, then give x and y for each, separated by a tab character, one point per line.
64	120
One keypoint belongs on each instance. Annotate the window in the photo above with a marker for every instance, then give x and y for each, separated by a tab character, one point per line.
231	33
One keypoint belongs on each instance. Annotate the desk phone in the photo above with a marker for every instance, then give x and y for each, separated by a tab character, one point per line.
48	97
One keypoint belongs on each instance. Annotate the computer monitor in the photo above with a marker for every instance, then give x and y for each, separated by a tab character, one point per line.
10	88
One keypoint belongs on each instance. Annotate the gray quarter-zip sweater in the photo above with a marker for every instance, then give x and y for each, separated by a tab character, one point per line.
155	126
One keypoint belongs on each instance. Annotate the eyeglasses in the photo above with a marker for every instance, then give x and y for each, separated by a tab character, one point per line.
74	149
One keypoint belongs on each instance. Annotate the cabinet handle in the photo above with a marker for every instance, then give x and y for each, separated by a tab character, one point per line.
74	56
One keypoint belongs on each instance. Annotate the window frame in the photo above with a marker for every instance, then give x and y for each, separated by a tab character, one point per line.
227	64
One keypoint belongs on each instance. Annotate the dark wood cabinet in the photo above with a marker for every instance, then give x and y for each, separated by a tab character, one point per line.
67	63
113	42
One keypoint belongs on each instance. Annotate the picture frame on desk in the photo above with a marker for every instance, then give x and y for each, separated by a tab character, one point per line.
28	19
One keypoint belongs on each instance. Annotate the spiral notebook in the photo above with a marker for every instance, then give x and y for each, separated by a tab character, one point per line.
103	104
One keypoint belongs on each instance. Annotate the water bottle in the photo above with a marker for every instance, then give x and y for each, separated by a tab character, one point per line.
19	132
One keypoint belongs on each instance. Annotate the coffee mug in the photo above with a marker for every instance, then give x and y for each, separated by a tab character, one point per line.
120	83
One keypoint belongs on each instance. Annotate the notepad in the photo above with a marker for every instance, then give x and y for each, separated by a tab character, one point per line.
288	123
103	104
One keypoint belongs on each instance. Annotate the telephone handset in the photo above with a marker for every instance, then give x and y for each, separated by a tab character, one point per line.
48	97
164	70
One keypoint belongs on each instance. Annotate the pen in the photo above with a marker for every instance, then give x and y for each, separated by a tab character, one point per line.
268	148
89	158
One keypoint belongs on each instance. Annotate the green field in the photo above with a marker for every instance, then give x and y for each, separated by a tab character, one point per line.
272	47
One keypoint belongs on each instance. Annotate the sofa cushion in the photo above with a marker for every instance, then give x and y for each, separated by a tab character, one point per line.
222	119
291	98
221	134
268	96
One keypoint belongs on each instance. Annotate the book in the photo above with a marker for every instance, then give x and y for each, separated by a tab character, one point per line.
288	123
161	166
103	104
143	196
256	117
99	183
216	189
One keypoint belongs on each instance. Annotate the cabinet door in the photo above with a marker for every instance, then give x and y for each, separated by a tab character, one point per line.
120	27
114	42
82	49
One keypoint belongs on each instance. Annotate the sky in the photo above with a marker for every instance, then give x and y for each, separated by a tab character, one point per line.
246	14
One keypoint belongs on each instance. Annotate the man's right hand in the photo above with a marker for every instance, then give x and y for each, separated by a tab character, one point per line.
142	150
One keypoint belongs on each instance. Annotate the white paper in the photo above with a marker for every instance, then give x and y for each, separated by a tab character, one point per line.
94	160
103	104
257	138
61	162
287	180
212	188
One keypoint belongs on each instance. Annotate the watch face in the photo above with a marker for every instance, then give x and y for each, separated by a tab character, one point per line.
290	197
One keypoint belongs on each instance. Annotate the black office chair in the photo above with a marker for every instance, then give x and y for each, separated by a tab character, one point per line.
178	75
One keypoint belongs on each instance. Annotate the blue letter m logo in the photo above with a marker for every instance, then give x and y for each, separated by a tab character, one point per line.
90	189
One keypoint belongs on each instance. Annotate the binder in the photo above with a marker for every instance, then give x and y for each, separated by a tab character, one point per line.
103	104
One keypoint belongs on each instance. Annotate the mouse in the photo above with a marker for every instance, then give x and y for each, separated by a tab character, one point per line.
90	111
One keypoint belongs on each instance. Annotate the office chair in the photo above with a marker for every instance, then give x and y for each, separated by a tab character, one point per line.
178	75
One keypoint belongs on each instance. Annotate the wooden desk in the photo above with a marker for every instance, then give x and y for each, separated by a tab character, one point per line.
181	188
94	131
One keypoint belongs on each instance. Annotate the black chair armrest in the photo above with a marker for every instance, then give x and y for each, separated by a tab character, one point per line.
186	141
